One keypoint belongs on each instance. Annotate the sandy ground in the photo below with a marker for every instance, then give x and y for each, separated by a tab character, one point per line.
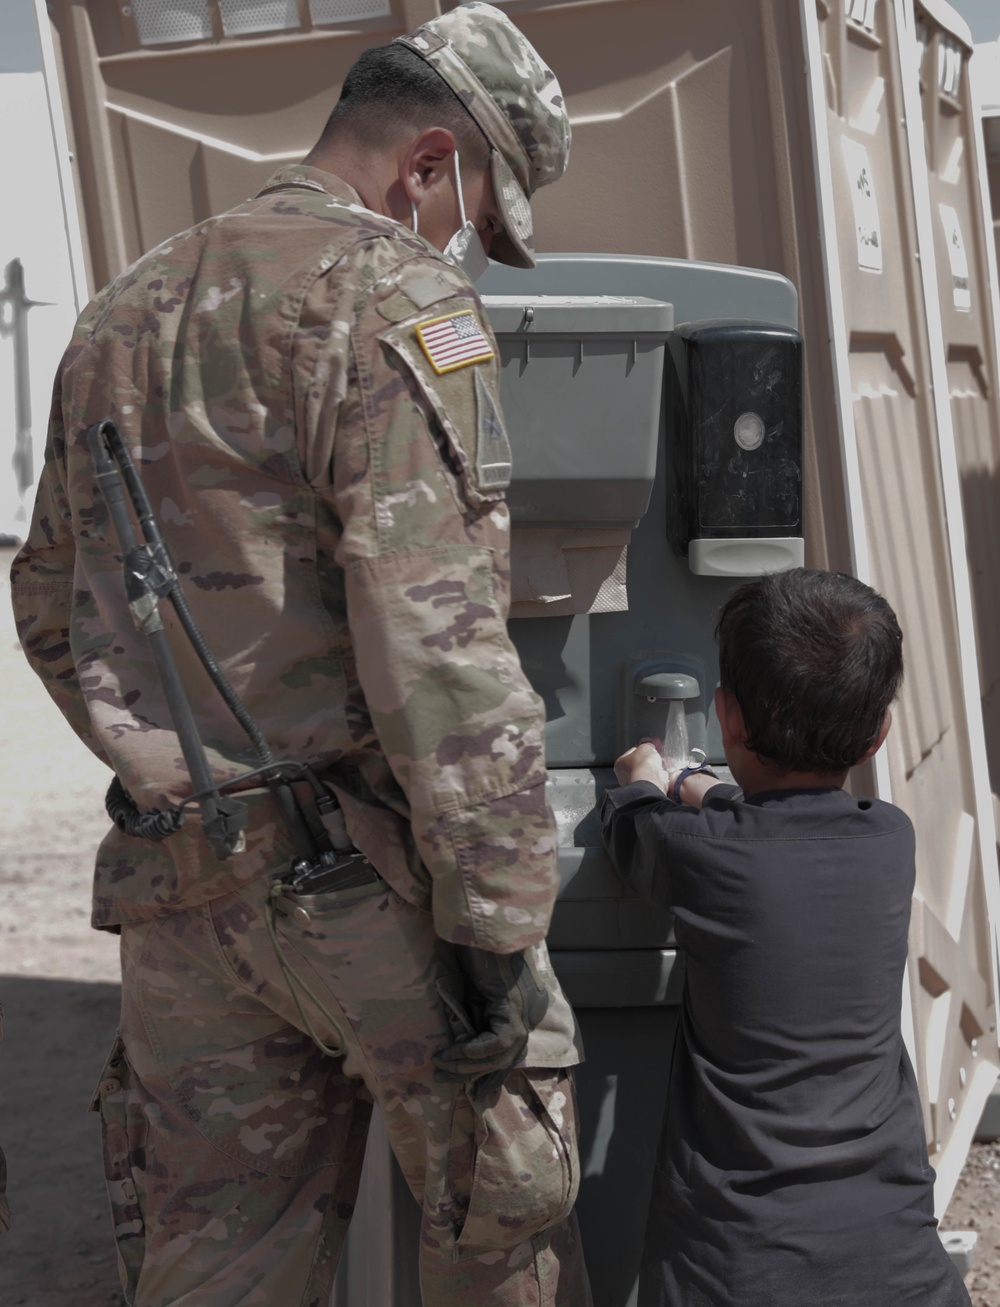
59	988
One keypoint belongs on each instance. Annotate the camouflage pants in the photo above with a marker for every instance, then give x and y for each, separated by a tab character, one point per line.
234	1147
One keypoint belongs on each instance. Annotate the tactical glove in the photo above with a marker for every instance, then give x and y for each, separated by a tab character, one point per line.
506	1000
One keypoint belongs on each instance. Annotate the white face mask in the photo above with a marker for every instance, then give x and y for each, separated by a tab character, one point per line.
465	249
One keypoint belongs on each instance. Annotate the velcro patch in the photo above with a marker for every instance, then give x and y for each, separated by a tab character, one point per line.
429	288
454	341
493	457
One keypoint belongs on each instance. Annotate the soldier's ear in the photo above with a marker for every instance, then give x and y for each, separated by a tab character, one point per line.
427	162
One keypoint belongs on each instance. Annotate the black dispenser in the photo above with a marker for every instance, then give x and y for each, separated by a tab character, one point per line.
737	446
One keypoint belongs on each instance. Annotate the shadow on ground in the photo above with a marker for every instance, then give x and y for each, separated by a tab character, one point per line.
59	1251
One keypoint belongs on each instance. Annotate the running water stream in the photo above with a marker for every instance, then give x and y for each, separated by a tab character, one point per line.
676	751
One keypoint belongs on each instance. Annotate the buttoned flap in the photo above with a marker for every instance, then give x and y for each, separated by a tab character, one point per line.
449	358
526	1173
124	1131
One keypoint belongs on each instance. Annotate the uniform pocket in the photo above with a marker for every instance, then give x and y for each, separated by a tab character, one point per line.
304	907
526	1170
214	1048
123	1132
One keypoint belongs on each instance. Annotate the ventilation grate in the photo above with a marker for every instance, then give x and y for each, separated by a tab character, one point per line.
241	17
346	11
161	21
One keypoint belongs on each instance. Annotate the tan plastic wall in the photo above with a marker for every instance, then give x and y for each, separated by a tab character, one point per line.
961	247
693	137
898	446
165	135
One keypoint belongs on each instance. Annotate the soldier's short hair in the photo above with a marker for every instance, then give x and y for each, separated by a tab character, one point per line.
814	660
390	87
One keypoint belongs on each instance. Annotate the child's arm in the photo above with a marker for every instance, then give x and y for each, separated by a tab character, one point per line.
639	820
632	837
643	763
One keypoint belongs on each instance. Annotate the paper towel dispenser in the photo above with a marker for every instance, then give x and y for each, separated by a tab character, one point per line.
581	387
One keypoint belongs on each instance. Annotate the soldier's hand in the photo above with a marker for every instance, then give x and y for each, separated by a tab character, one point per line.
506	1001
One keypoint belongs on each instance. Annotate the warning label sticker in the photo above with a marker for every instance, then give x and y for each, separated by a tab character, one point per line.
957	257
866	220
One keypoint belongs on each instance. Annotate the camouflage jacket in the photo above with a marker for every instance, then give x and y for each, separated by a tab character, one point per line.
310	392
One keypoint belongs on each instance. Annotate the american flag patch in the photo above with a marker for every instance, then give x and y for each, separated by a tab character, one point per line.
454	342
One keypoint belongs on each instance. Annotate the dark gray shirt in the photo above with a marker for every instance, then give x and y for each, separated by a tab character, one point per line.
792	1167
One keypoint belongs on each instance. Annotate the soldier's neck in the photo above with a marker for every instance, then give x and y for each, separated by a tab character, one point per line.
371	173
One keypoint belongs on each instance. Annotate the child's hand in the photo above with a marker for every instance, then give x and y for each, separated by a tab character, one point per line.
642	763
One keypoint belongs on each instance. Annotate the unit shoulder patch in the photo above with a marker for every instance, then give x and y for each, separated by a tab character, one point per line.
454	341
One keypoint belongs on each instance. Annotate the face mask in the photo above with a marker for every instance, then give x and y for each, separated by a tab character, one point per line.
465	249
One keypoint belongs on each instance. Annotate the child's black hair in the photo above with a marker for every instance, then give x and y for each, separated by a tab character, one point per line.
814	660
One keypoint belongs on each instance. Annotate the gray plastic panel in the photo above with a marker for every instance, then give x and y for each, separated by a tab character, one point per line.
621	1092
578	663
632	978
696	290
378	1265
581	387
585	667
594	910
605	315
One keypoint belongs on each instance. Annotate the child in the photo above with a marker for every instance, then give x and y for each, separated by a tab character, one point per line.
792	1169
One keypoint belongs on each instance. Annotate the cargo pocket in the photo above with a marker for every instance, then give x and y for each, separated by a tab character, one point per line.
526	1170
310	910
123	1131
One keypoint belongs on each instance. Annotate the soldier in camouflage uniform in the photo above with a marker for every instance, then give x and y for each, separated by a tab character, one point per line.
310	390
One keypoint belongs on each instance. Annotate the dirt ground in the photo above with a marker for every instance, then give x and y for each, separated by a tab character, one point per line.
58	986
975	1205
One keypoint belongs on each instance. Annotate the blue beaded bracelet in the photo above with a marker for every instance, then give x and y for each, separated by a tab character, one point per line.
690	771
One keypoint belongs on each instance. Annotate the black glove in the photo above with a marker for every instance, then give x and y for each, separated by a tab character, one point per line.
505	1001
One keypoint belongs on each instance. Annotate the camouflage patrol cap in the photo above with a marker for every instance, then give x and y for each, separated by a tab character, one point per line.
516	101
